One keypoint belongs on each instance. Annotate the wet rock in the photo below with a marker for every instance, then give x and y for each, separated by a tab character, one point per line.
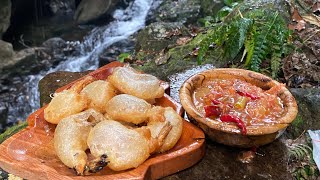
89	10
51	82
111	53
156	37
5	14
10	59
210	7
14	63
178	11
220	162
55	43
62	6
161	41
57	48
3	115
308	100
6	52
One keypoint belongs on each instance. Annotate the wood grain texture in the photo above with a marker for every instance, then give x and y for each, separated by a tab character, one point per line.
230	134
30	153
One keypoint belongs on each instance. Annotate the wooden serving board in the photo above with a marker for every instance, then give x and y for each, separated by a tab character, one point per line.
30	153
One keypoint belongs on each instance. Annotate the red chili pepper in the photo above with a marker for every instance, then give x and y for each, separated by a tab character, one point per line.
212	110
215	102
238	121
251	96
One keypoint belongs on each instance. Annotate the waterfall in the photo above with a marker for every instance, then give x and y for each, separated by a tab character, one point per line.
126	22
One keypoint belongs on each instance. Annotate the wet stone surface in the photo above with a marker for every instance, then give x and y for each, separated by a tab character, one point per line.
222	162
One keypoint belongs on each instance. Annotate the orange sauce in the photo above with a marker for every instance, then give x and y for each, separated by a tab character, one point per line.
253	105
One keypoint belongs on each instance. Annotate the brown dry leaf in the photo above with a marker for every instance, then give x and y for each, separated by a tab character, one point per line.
300	23
162	58
312	19
174	32
296	16
316	7
183	40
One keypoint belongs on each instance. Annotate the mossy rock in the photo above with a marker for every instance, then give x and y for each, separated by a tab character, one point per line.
156	37
12	130
181	58
308	100
183	11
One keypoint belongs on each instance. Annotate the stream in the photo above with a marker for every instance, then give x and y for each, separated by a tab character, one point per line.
126	22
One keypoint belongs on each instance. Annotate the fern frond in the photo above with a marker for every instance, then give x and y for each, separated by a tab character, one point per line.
275	62
262	33
261	48
215	36
299	151
238	33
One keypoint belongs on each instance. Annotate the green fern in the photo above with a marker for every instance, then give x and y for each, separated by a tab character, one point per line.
299	151
235	41
262	34
300	158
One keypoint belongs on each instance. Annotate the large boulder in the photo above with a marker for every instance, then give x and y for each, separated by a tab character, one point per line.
158	36
308	100
184	11
5	14
167	48
89	10
6	52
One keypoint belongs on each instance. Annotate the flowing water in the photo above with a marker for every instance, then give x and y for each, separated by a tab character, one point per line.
126	22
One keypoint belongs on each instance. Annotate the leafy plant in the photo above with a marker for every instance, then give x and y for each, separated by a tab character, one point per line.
124	56
299	151
303	167
260	34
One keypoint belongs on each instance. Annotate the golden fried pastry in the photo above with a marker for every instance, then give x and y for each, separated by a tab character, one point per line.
124	147
128	108
70	138
67	102
129	81
98	93
155	125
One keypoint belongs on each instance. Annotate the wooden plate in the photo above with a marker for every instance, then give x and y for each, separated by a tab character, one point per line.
30	153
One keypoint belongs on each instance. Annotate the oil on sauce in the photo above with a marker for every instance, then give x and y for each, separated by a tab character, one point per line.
239	99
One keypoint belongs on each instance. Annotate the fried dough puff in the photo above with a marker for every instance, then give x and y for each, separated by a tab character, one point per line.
155	125
99	93
67	102
124	148
128	108
129	81
70	139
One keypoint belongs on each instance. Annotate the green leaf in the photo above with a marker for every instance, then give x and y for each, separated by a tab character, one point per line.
228	2
123	56
235	41
222	13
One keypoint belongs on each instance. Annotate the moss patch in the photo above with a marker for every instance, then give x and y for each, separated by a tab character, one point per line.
12	130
